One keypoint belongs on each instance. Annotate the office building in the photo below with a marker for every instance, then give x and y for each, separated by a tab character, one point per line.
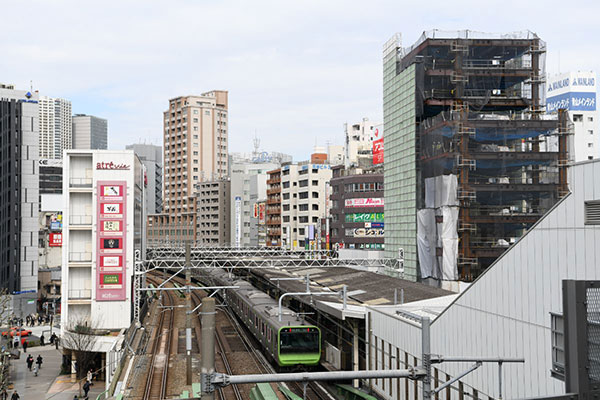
467	164
213	204
55	127
576	93
19	197
195	149
357	219
248	185
89	132
151	157
359	142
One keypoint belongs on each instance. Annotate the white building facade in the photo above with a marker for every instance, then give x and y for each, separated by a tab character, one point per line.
506	312
303	203
56	127
248	182
359	142
103	226
576	92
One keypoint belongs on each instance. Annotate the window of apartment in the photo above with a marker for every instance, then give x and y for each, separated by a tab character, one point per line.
286	219
195	111
304	183
286	196
195	169
315	207
591	131
304	220
303	172
286	207
315	183
195	161
295	219
315	170
206	112
195	119
195	136
285	185
315	219
195	153
577	117
315	195
590	157
196	128
301	243
301	231
590	144
591	119
195	144
294	195
303	195
303	207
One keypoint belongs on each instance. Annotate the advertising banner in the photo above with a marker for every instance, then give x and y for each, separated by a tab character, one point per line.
573	101
364	202
573	91
377	151
111	233
238	221
365	232
262	207
55	240
364	217
55	226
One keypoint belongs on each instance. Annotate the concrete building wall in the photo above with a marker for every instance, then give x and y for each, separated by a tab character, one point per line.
359	141
506	312
213	204
90	132
303	201
248	182
82	171
151	157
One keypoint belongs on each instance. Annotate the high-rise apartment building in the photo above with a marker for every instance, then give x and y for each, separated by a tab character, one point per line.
468	168
195	149
89	132
576	93
56	127
273	208
151	157
19	196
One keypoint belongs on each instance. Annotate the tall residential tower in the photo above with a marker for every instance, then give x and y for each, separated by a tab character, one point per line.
89	132
55	127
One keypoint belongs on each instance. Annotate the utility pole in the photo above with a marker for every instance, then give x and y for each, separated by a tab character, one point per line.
188	314
208	348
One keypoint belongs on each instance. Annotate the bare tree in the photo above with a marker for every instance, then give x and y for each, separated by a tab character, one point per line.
4	352
80	339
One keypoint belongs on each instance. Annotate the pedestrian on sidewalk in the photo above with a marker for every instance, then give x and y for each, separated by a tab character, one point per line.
25	346
42	340
3	395
15	396
35	371
39	361
86	389
52	338
29	362
90	376
56	342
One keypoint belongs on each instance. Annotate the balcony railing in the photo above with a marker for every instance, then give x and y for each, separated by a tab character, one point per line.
80	256
80	182
80	294
80	220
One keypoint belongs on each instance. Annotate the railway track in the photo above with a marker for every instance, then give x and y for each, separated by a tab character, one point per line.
156	381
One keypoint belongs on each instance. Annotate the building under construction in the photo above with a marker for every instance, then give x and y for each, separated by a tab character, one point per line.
472	161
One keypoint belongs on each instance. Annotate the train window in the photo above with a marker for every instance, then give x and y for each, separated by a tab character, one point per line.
299	340
256	322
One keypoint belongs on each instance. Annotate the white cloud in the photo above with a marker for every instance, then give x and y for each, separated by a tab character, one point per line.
295	71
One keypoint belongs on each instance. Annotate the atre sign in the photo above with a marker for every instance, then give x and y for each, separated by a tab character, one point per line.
111	165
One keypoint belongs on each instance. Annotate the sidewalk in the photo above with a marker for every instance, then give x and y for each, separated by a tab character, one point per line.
48	384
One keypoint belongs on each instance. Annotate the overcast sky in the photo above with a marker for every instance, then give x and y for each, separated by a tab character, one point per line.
295	71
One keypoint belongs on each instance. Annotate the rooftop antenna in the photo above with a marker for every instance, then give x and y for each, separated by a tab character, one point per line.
31	86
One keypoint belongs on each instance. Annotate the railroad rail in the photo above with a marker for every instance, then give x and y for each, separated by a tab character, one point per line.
156	381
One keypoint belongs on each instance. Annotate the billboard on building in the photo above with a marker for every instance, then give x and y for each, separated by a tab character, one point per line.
573	91
55	240
238	221
262	207
111	233
364	202
378	144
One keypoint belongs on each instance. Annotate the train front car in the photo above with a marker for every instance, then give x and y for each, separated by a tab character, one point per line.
299	345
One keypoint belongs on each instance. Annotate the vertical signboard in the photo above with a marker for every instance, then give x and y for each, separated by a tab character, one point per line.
111	234
238	221
262	212
378	145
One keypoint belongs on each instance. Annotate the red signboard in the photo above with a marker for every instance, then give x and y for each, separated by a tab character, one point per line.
378	151
261	213
55	240
111	238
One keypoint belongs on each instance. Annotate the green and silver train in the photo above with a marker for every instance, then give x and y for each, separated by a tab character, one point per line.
291	342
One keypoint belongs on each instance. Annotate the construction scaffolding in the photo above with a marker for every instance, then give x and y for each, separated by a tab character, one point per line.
481	125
